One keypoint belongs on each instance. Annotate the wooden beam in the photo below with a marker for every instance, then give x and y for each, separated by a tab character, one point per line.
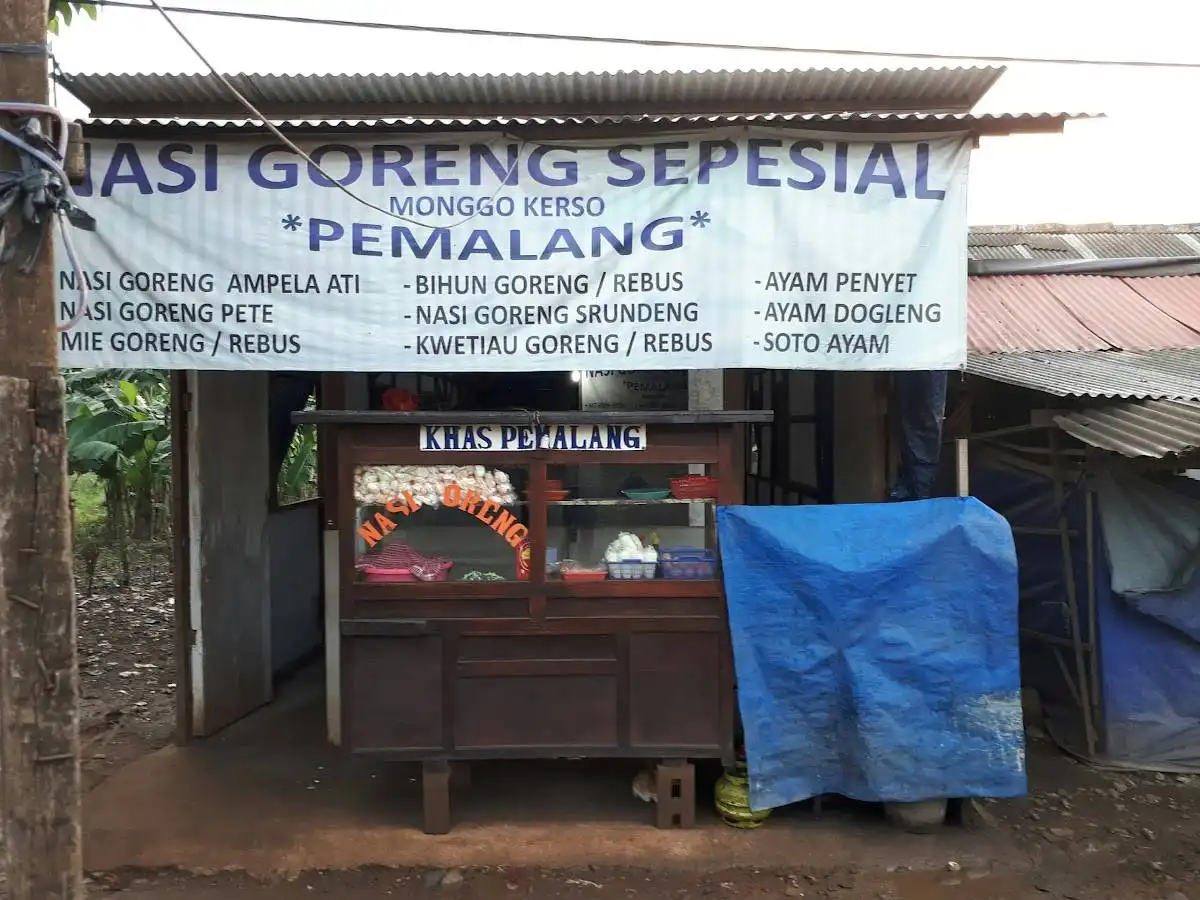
1068	569
521	417
180	555
962	469
39	688
39	684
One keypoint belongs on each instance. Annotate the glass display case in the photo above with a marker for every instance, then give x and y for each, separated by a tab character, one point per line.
435	524
612	519
516	585
630	521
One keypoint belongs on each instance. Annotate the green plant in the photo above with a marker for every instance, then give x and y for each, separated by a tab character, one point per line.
298	474
89	543
118	431
87	498
65	10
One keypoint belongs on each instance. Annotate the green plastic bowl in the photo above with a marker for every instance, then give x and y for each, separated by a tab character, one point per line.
646	494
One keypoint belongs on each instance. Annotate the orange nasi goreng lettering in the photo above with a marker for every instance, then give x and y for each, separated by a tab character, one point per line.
488	511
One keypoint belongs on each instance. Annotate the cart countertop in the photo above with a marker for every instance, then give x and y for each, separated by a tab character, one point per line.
533	417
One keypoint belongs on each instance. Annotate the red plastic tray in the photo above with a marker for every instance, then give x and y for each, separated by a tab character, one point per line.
694	487
398	562
584	574
376	575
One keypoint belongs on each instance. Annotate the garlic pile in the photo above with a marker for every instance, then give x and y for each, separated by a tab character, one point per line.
379	484
628	548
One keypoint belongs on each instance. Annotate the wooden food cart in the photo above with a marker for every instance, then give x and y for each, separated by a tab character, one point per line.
493	605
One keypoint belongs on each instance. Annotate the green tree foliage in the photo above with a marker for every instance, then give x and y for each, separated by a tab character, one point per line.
298	474
119	434
63	11
118	429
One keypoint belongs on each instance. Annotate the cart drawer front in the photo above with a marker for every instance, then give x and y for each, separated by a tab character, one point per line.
536	711
393	692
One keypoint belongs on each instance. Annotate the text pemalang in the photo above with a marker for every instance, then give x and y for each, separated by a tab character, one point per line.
902	169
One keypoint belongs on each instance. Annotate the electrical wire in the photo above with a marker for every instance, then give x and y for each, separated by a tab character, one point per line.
291	145
54	166
641	42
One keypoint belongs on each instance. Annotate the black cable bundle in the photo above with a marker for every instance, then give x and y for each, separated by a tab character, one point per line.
37	192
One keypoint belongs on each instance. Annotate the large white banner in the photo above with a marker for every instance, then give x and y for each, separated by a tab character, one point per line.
746	248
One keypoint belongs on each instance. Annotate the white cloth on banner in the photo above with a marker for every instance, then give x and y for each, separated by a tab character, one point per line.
734	248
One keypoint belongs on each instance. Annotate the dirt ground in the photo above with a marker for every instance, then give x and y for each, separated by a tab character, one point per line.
601	884
1084	834
126	641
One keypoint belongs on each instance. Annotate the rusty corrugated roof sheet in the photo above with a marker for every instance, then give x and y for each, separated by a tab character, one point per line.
1018	313
1114	309
1088	335
1155	375
988	123
1177	297
542	94
1148	429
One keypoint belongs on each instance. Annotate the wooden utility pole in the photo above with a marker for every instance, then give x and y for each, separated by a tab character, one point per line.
39	678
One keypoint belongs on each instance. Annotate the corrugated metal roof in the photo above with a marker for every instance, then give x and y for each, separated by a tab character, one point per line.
563	93
1113	309
1150	428
986	251
990	123
1100	241
1017	313
1019	246
1156	375
1178	297
1126	246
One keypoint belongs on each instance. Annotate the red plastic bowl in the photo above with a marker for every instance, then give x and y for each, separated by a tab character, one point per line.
377	575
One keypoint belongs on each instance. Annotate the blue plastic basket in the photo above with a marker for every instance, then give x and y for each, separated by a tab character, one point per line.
687	563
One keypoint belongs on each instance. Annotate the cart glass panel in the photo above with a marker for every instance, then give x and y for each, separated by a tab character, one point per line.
441	523
629	521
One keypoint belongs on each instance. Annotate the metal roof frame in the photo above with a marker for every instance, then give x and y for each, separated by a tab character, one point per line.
367	96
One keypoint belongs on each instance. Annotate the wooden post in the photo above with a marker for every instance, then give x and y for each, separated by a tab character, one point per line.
962	466
1068	569
39	679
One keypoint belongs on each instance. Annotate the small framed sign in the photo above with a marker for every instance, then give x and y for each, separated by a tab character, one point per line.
509	438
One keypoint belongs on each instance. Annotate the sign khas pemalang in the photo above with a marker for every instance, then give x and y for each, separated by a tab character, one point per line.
727	249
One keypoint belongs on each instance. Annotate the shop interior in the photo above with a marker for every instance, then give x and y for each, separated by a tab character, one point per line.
222	416
606	520
596	510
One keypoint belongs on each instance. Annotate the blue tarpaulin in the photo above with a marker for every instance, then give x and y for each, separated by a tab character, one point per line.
1147	608
876	650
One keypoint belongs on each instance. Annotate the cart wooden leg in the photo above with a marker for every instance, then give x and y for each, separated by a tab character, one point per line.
435	795
675	785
